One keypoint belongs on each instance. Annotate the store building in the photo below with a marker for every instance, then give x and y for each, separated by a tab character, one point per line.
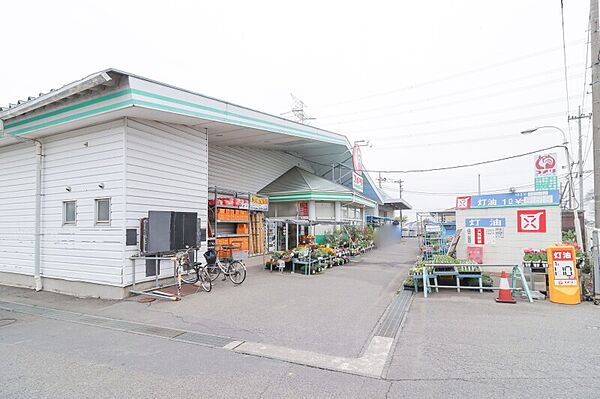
83	164
300	198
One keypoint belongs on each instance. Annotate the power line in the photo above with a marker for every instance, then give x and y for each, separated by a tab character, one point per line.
451	94
585	65
462	128
452	76
466	165
455	102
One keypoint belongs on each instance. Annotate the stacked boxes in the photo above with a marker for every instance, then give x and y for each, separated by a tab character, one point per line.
232	214
257	235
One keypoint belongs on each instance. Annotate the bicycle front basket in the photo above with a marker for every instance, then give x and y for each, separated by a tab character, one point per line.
210	256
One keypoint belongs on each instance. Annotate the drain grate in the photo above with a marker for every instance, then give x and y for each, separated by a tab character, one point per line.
204	339
214	341
390	322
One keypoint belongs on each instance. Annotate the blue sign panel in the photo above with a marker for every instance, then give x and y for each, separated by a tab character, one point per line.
508	200
485	222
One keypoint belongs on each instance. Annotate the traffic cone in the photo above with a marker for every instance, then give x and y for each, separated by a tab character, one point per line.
505	293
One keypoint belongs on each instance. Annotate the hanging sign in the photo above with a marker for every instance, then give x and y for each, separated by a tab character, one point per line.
357	182
531	221
259	203
563	281
545	164
507	200
356	159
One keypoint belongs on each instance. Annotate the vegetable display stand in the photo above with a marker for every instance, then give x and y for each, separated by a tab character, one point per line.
228	220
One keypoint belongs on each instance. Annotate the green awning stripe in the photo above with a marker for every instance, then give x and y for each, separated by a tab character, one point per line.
73	107
306	133
69	118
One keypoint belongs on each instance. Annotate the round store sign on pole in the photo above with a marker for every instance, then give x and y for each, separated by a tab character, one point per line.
545	164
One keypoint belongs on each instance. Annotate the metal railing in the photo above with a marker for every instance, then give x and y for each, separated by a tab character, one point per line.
516	272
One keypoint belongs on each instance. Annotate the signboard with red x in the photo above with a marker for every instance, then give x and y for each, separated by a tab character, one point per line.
531	221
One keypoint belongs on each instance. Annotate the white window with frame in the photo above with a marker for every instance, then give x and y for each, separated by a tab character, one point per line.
102	211
325	210
69	213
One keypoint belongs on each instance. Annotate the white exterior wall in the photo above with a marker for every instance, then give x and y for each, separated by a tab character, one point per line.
248	169
509	249
17	209
166	169
81	160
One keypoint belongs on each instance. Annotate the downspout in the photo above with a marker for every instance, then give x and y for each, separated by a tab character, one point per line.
37	264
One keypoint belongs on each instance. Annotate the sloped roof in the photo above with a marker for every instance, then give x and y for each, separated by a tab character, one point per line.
298	180
396	203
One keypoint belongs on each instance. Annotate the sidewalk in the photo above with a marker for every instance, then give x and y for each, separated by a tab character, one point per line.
456	343
331	313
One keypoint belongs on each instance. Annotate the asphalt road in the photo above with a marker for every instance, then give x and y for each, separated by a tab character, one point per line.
451	345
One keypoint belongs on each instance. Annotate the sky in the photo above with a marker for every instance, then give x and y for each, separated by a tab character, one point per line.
428	83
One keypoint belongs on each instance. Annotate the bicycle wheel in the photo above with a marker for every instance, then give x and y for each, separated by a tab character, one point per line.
237	272
190	276
213	271
205	280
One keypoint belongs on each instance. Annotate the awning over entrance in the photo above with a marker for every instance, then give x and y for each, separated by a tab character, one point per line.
298	184
394	203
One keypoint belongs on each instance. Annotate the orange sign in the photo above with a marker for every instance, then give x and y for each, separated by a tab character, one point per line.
563	281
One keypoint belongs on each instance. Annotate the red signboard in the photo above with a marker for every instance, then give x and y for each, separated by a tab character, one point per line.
545	164
463	202
531	221
303	210
475	254
479	236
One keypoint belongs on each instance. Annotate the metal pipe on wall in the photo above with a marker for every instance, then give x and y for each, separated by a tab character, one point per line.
37	264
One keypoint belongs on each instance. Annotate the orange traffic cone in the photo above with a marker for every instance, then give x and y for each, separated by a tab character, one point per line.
504	294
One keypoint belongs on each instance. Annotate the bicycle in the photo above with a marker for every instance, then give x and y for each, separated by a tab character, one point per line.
232	268
190	273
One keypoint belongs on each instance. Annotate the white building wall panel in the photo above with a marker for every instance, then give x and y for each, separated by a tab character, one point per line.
76	165
248	169
166	170
17	208
508	249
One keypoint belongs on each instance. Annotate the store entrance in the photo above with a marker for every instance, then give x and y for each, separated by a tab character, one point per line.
289	235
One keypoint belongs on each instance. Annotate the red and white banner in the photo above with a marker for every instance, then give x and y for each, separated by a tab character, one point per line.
531	221
463	202
479	236
357	159
546	164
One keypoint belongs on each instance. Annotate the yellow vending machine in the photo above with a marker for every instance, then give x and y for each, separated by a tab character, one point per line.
563	279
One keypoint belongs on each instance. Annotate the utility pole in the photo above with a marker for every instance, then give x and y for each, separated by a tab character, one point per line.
478	184
595	53
579	117
380	180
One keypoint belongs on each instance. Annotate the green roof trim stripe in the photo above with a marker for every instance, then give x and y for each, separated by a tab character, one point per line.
73	107
218	118
308	196
111	107
280	128
227	113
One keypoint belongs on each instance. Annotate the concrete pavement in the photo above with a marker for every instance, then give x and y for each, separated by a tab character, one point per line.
451	345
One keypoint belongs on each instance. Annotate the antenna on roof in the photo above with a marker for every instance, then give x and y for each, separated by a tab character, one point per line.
298	111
